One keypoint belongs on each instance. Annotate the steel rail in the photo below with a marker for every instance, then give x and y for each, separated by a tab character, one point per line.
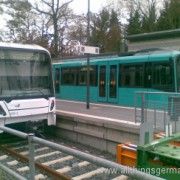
52	173
131	172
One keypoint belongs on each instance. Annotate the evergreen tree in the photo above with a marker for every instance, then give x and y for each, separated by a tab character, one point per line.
169	15
114	35
149	20
134	26
106	31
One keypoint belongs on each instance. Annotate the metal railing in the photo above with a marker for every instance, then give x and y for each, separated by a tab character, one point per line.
135	174
159	108
6	173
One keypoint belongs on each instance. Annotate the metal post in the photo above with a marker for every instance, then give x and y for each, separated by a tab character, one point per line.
164	118
88	34
168	130
31	157
154	115
135	103
175	129
142	107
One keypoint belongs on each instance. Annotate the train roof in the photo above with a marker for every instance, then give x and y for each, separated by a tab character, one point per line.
5	45
154	35
138	55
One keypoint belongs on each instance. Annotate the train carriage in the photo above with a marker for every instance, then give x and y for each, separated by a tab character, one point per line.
26	84
116	79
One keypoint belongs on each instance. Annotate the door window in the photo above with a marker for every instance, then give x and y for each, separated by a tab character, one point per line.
102	82
113	81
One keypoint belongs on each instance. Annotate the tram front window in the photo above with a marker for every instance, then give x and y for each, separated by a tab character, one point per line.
24	74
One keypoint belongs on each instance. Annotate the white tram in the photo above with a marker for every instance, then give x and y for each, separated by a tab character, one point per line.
26	84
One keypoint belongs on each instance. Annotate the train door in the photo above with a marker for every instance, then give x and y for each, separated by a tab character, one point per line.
108	78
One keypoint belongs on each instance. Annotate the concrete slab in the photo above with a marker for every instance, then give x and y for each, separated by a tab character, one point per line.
103	126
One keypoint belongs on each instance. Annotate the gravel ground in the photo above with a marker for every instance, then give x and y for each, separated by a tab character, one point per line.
84	148
73	163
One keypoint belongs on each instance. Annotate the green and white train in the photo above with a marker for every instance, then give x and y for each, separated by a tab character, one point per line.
116	79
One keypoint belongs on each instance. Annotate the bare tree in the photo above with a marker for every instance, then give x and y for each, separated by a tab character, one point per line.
58	14
21	24
78	30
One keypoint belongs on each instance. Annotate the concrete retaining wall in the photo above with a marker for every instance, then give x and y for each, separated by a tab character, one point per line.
103	135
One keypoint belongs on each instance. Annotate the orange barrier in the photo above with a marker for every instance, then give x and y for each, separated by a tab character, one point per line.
162	135
126	154
175	143
159	135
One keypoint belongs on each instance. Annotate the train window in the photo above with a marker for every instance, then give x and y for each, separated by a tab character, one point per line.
82	75
102	81
57	76
69	76
92	75
163	76
113	81
132	75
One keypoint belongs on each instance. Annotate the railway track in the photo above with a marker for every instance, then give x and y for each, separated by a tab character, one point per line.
50	163
42	159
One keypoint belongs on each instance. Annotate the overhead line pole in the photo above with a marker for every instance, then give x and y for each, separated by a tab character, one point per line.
88	58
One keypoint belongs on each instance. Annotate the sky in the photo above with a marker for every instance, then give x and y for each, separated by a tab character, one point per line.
81	6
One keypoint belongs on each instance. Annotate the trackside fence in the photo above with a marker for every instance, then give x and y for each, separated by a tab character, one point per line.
130	172
6	173
159	108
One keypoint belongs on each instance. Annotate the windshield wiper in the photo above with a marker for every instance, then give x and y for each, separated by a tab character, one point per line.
28	93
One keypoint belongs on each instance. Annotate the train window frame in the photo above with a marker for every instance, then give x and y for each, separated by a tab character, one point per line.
77	75
57	80
160	79
69	77
82	75
93	76
102	81
134	81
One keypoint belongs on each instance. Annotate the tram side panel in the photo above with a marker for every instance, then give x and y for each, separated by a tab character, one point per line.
117	80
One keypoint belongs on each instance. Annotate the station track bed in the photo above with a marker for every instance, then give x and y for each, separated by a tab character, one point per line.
67	165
